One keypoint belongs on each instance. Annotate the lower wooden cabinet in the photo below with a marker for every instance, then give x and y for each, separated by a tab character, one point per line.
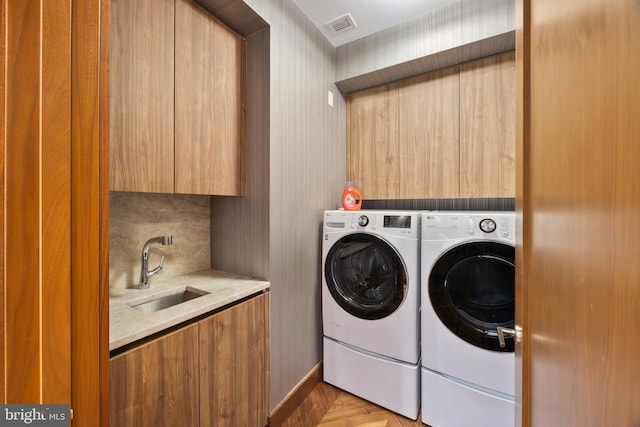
234	366
212	372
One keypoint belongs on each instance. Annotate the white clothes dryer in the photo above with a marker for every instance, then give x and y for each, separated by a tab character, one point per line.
468	291
370	306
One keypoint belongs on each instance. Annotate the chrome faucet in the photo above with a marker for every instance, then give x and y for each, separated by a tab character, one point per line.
145	274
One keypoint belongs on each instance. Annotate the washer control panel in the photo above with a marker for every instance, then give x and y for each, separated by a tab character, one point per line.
396	223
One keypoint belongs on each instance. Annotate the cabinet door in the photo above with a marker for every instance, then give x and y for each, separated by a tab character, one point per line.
234	357
487	127
372	143
429	135
141	95
210	104
156	384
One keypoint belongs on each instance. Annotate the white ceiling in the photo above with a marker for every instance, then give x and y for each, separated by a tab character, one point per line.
370	16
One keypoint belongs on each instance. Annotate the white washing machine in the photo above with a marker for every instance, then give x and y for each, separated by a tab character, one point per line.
468	291
370	306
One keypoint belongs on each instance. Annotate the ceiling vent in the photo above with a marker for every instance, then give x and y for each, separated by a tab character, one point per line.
341	24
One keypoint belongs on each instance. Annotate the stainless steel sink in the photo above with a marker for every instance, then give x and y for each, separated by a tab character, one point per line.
167	301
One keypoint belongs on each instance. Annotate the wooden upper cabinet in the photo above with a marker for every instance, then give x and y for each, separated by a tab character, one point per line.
372	143
141	95
429	135
445	134
210	139
177	100
487	127
403	138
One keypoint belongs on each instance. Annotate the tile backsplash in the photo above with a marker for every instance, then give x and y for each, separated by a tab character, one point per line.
137	217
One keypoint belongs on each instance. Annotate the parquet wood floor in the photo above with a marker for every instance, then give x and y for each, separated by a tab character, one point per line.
328	406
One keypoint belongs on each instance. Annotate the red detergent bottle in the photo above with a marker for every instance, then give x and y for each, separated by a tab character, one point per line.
351	198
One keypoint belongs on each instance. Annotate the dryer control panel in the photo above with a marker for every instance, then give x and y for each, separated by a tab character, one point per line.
480	225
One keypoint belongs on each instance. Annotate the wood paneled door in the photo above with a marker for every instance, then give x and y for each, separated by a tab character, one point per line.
578	275
54	310
36	199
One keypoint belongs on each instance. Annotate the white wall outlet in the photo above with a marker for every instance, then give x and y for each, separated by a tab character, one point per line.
330	99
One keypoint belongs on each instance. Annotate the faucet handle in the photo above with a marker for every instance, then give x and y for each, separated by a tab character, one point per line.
158	269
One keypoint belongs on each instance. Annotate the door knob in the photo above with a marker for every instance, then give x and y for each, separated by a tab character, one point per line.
515	333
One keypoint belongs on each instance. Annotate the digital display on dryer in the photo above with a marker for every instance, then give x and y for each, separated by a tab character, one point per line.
397	221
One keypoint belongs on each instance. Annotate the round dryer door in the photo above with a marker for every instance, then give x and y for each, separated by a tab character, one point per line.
472	290
365	276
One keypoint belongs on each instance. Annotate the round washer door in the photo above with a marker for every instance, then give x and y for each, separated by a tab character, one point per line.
366	276
472	290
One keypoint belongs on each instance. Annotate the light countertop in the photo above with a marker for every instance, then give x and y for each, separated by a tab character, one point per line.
127	324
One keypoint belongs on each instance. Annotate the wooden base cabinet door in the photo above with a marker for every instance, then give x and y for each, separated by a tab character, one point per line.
234	365
156	384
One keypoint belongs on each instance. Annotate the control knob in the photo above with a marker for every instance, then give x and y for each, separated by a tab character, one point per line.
488	225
